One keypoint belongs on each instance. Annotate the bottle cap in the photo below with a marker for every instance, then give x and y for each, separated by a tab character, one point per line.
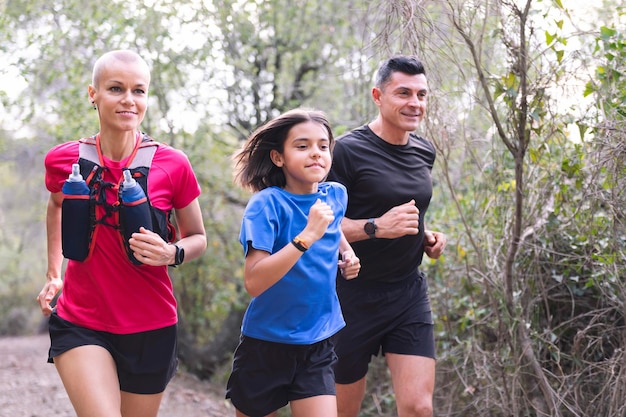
75	175
129	181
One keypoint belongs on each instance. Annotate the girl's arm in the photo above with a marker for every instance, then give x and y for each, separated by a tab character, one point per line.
350	264
262	269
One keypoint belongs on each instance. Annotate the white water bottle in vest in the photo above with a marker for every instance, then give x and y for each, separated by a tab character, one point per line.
75	212
134	211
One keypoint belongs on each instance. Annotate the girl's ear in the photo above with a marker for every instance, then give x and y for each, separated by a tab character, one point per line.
277	158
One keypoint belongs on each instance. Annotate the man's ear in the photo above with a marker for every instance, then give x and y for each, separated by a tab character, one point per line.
277	158
376	93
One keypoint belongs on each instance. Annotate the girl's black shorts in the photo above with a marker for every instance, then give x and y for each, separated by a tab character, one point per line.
266	376
145	361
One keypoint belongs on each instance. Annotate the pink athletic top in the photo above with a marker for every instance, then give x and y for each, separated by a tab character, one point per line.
107	292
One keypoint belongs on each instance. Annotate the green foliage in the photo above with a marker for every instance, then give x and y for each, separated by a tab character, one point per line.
221	69
210	287
610	83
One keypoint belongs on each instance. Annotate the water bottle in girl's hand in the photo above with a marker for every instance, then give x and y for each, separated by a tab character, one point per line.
134	211
75	213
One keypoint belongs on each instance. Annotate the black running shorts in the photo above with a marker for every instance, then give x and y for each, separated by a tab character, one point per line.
382	317
266	376
145	361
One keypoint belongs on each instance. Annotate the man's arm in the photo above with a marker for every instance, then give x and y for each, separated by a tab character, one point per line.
434	244
399	221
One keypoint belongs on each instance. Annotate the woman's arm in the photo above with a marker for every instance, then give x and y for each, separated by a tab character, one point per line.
149	248
55	255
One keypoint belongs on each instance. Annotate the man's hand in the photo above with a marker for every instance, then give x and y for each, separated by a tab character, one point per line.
399	221
434	244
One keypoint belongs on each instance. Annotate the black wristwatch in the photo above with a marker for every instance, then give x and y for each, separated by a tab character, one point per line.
179	257
370	228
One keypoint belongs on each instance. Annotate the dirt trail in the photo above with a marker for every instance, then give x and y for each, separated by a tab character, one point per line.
30	387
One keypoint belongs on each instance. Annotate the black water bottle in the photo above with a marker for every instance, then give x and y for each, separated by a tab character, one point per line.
75	213
134	211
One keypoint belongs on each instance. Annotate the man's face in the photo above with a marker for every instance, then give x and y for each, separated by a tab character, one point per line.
402	101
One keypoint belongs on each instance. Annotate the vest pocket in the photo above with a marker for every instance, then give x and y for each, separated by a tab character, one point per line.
75	227
132	217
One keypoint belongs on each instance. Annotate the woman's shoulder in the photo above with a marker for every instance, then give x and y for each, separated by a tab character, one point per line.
166	151
63	148
62	153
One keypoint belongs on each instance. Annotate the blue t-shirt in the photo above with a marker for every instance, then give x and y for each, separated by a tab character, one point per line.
302	307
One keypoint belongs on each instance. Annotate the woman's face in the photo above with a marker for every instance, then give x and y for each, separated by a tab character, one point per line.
121	95
306	157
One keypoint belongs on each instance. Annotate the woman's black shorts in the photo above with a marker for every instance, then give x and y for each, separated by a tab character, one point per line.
145	361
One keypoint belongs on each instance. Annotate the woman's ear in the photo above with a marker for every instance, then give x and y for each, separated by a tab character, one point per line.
277	158
91	92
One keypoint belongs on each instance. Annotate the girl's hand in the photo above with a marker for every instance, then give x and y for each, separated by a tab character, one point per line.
350	265
320	216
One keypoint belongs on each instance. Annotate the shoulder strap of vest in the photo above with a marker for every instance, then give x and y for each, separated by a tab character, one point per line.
147	148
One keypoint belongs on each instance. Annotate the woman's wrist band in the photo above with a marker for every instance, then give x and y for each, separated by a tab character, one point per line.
300	244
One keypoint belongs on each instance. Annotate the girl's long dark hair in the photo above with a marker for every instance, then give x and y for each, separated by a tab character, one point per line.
254	169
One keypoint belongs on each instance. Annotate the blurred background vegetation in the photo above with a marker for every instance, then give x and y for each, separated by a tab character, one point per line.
527	112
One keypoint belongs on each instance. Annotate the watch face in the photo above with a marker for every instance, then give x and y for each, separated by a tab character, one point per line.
370	228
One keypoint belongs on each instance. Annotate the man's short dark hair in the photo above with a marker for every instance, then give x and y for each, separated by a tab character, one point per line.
401	63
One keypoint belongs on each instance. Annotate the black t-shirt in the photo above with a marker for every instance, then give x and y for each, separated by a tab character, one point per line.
379	176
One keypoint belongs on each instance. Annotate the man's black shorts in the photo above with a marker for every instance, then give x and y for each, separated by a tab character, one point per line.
392	318
145	361
267	375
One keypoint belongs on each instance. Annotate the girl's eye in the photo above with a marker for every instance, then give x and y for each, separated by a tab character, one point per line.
324	147
116	89
138	91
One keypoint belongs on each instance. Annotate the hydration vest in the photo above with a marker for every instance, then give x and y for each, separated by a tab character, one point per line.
92	169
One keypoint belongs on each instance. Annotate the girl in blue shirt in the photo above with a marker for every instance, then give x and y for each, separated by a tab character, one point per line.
293	244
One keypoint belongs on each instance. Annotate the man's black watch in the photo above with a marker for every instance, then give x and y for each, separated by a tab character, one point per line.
370	228
179	257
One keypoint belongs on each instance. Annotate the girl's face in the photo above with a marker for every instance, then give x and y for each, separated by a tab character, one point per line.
306	157
121	96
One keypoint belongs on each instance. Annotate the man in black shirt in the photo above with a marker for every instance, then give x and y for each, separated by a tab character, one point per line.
387	171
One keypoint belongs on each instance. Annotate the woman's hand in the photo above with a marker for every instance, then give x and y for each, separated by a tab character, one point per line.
150	249
47	294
